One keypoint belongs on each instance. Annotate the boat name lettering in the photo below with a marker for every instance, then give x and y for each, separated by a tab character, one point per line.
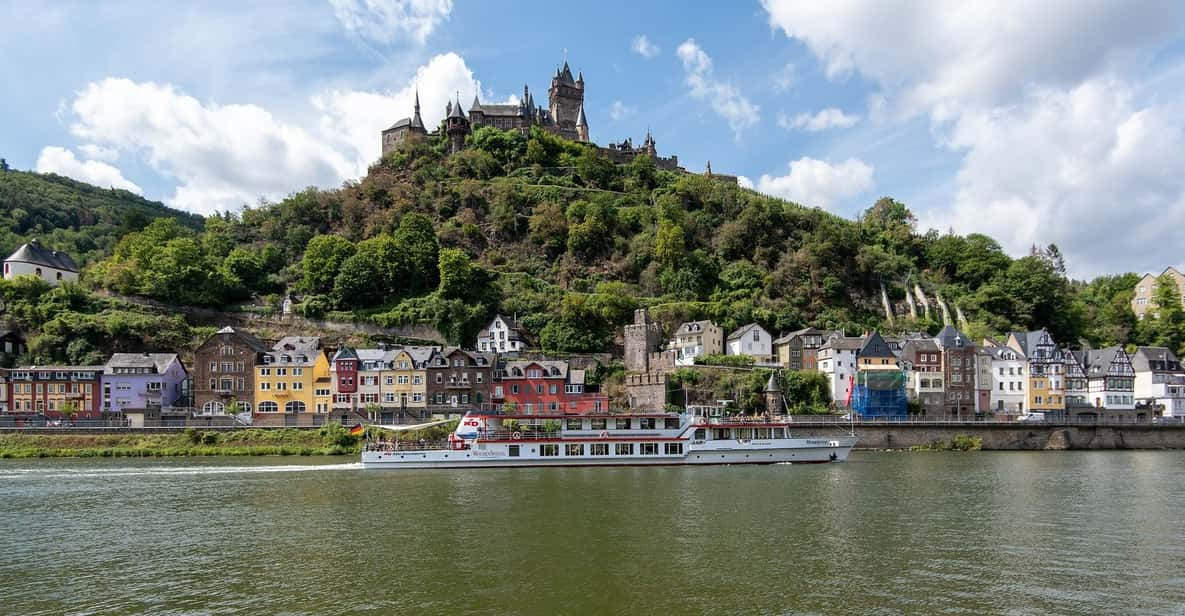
810	442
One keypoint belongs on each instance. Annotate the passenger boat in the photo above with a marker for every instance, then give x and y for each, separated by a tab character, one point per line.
494	439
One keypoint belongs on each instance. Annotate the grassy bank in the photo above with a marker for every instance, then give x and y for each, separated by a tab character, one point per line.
329	440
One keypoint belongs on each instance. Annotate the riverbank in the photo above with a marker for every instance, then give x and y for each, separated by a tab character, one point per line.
327	441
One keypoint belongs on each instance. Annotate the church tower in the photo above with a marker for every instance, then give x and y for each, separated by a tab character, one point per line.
565	98
456	127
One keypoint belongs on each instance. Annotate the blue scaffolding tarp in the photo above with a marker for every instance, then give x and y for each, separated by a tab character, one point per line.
879	393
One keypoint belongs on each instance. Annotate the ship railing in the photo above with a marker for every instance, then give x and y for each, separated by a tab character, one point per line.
405	446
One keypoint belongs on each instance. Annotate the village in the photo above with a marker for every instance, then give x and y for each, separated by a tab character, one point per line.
235	377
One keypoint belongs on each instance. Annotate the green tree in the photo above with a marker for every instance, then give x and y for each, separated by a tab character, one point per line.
549	227
669	244
358	282
417	239
322	261
456	274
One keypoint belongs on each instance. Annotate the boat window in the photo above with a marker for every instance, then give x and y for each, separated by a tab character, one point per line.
647	423
723	434
573	423
700	434
598	449
673	449
624	449
574	449
513	451
762	433
671	423
648	449
549	450
622	423
597	424
779	433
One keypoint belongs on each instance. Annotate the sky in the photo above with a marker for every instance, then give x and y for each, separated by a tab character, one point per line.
1060	121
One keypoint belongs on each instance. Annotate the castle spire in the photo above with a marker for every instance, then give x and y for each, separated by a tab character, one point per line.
416	122
581	125
476	103
580	119
708	171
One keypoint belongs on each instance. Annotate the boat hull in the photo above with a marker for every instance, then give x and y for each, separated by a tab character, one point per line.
794	451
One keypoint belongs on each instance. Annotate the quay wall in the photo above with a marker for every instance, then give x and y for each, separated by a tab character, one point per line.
1005	437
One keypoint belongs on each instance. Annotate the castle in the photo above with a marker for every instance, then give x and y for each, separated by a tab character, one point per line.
564	116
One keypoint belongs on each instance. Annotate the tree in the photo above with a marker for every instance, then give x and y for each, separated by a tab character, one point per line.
358	283
456	274
669	244
417	239
549	227
323	258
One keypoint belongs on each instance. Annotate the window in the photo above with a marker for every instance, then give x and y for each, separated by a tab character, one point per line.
390	380
572	423
648	449
598	449
574	449
321	392
297	371
417	397
624	449
551	389
647	423
418	380
670	423
213	407
597	423
514	389
403	379
268	407
297	386
622	423
281	372
295	406
265	386
539	389
549	450
265	372
513	451
673	449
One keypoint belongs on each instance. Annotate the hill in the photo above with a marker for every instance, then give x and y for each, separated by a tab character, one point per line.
82	220
553	232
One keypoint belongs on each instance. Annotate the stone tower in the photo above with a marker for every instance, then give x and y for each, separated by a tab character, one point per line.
582	126
773	395
565	98
641	338
456	127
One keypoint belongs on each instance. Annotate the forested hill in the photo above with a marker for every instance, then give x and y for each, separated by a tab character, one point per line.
82	220
551	231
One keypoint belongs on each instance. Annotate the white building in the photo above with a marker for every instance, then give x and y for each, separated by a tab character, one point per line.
1159	379
502	336
695	339
1008	381
754	341
837	361
1111	378
33	259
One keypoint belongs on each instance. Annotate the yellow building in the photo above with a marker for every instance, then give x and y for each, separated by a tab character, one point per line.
1047	371
405	378
293	381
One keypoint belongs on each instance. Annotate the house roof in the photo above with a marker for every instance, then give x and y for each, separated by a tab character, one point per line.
1099	361
517	332
1158	359
771	386
744	330
695	326
295	347
345	352
247	337
805	332
51	368
33	252
844	343
576	377
159	361
950	337
551	368
875	346
924	345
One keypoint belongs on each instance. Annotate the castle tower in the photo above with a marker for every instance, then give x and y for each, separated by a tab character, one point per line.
565	98
456	127
582	126
640	339
416	122
773	395
648	146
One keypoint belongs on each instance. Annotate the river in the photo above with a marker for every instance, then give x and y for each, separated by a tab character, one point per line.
886	533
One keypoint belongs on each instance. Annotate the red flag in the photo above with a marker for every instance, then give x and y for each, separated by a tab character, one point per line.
851	388
357	429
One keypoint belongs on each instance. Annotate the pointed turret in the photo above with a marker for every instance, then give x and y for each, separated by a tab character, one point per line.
455	111
416	122
457	126
476	103
771	385
773	395
581	125
566	74
708	171
580	80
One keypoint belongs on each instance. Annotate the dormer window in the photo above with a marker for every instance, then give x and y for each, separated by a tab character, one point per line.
286	359
304	359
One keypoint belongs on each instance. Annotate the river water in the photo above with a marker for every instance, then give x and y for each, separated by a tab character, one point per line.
886	533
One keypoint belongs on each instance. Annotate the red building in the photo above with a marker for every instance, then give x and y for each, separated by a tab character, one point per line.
51	389
547	387
345	371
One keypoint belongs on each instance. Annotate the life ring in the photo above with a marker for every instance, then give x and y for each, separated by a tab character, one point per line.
604	434
518	436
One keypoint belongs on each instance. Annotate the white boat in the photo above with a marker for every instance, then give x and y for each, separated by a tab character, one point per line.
635	439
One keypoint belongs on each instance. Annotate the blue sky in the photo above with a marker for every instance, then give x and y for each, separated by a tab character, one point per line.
1054	122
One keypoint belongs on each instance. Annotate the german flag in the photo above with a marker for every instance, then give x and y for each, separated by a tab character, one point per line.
357	429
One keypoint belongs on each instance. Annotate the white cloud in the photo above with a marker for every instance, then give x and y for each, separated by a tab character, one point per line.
823	120
221	155
941	54
352	119
643	47
1087	169
619	111
785	78
725	99
1062	140
744	182
98	152
819	183
63	162
387	21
